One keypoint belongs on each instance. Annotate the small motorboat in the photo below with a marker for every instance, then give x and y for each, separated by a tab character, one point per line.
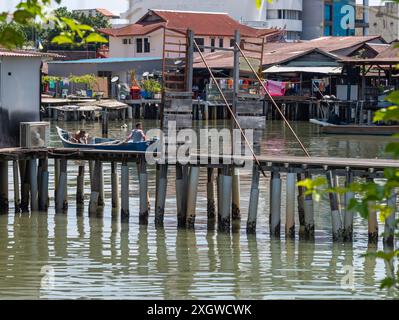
103	143
329	128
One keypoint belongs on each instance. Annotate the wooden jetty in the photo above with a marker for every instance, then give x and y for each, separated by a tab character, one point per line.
31	174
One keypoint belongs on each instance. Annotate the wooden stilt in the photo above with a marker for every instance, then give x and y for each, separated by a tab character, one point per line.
290	206
43	186
4	187
275	204
210	191
115	185
348	214
337	230
372	224
98	167
61	202
301	206
34	192
124	190
309	213
96	185
56	177
235	209
143	190
80	193
162	182
181	212
390	221
192	196
226	195
219	183
253	202
17	199
24	174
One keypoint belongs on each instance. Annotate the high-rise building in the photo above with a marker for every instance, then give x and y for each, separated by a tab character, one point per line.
285	14
334	18
302	19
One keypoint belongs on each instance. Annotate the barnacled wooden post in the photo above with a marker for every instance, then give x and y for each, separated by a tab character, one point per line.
143	191
253	201
161	187
3	187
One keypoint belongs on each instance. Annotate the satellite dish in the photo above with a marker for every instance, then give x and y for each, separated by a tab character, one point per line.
146	74
114	79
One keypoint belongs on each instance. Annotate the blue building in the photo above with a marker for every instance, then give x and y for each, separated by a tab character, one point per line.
334	18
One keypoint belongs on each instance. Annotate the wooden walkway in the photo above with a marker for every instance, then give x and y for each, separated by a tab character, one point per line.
31	187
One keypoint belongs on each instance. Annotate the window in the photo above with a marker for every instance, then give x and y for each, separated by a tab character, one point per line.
200	42
143	45
289	14
213	44
232	42
221	44
127	41
147	47
139	45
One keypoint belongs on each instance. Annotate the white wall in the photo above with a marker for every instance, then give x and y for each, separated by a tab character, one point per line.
238	9
119	50
19	94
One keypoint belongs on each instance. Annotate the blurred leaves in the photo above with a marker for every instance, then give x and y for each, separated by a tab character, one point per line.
30	14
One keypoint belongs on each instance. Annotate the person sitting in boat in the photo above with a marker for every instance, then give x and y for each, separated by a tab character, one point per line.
137	134
80	137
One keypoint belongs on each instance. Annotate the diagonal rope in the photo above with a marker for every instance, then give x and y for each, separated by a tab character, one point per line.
273	102
230	110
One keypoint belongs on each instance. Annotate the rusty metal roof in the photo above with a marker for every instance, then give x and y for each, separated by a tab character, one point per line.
201	23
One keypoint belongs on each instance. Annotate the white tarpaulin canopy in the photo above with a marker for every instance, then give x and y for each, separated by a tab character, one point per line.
323	70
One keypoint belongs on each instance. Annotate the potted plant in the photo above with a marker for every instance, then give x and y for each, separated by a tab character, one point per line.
152	89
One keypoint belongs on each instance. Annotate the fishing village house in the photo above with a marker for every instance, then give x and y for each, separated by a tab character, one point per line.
302	61
20	98
145	38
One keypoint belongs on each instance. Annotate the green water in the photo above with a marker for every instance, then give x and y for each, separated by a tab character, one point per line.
102	257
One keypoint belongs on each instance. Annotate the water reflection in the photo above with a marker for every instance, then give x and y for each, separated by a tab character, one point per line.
98	257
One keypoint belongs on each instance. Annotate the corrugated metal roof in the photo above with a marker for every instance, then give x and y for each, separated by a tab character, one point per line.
280	52
107	60
323	70
26	54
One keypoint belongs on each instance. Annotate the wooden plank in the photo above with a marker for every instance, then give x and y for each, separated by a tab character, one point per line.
175	43
252	122
182	120
176	95
249	107
179	105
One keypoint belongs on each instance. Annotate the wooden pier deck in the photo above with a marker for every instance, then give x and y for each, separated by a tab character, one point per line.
31	187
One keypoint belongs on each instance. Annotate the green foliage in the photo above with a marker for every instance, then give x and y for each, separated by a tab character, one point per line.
32	20
47	79
151	85
88	79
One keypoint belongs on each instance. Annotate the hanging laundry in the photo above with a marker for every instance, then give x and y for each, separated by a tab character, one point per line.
52	84
276	88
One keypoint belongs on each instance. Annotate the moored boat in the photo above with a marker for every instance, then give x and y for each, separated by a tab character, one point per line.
103	143
329	128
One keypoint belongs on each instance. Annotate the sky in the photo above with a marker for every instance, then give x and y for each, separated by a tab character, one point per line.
116	6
